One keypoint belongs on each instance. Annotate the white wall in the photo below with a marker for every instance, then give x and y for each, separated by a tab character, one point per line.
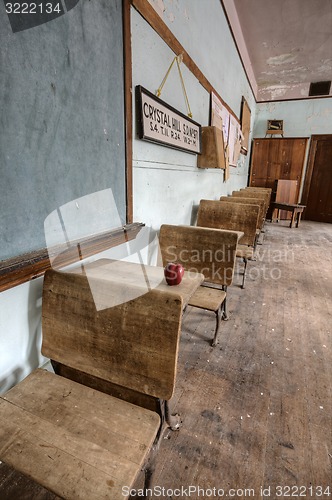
301	118
167	183
20	332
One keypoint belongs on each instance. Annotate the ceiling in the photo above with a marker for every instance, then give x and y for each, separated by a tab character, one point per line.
284	44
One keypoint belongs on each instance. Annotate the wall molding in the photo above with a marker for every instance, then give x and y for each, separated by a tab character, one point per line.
128	118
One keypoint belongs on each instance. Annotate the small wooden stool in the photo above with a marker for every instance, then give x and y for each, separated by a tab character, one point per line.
294	208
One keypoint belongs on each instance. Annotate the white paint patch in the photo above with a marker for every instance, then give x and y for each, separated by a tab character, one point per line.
286	71
276	91
186	15
326	65
171	17
282	59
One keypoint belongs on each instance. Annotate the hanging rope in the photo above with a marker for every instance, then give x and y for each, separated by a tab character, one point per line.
165	78
178	60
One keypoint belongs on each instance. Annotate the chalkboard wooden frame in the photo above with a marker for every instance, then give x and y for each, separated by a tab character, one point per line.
21	269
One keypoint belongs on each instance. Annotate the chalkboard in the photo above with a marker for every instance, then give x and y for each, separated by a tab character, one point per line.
61	119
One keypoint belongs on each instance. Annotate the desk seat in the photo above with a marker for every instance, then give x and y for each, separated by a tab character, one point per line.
207	298
74	440
245	252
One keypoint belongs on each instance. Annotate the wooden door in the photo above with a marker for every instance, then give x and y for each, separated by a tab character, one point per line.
291	157
277	158
318	183
264	163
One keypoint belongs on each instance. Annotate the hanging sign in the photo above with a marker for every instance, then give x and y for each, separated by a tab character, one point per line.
160	123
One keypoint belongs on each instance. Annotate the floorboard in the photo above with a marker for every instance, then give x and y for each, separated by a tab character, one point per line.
256	410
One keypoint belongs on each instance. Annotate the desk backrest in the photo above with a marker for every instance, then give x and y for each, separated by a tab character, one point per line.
248	201
133	345
208	251
232	216
248	193
267	191
259	189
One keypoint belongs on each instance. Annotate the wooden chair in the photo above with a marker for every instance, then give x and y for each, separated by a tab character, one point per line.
235	217
77	441
208	251
286	191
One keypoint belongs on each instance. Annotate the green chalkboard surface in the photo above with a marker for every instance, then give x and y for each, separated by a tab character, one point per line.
61	121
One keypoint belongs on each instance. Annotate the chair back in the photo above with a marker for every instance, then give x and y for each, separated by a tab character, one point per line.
232	216
211	252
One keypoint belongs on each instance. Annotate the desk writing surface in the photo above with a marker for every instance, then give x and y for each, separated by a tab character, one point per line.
289	206
130	279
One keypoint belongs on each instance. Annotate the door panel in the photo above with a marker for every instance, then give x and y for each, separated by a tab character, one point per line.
319	201
277	158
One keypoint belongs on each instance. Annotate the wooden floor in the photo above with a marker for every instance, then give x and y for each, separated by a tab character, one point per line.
256	409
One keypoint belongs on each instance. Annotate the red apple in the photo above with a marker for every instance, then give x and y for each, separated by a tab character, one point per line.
173	273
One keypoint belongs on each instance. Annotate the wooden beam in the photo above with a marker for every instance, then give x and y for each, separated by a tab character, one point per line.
155	21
